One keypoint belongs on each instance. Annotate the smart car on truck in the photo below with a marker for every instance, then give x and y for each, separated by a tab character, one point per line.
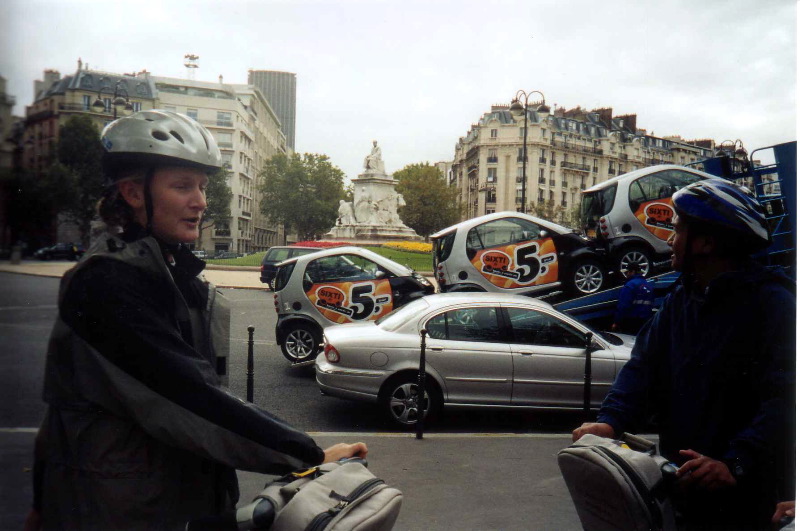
510	252
631	216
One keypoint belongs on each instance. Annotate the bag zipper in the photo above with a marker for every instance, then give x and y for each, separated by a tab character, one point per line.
641	488
323	519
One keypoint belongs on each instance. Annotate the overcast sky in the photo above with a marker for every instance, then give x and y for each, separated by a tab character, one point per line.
415	74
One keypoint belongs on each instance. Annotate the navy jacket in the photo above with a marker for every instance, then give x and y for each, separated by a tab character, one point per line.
716	372
635	300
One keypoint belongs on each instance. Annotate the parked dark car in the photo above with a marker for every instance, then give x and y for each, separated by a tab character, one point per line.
222	255
60	251
279	253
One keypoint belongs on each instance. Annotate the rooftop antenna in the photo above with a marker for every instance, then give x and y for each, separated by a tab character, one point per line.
191	65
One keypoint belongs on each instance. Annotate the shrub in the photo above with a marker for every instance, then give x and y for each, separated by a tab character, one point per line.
321	245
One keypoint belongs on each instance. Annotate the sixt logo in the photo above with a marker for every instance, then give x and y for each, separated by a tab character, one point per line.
659	215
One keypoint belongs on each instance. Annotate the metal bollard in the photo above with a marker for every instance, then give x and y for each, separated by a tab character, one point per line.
250	330
421	385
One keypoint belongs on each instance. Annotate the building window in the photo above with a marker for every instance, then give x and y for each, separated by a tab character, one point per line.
224	119
544	133
491	195
225	140
137	106
192	113
541	176
87	103
492	158
491	176
541	195
521	132
493	133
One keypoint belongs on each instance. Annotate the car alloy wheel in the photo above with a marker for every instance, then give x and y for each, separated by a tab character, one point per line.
638	256
300	344
400	400
588	277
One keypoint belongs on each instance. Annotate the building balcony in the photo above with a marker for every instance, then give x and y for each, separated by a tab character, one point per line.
520	158
575	166
487	185
564	184
217	123
594	170
542	160
491	160
552	182
623	156
246	214
542	180
222	233
225	145
39	116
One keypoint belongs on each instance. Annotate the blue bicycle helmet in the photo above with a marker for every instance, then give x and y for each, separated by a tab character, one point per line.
725	205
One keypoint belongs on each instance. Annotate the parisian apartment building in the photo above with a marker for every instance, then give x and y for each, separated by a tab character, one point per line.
239	116
567	151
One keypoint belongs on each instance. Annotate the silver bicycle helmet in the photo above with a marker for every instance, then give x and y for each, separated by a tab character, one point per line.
725	205
151	138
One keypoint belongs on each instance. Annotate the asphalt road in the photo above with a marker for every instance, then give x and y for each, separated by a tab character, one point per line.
533	494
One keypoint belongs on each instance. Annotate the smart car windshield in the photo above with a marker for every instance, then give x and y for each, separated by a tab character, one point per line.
594	205
393	320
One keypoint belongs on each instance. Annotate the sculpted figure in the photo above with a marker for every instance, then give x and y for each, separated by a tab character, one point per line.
346	214
374	161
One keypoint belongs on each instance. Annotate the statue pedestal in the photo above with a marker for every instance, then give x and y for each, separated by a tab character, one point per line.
375	204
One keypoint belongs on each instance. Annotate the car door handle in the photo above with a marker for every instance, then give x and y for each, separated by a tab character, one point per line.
437	349
526	352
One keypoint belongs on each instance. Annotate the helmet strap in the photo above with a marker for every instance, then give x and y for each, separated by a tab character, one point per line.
148	199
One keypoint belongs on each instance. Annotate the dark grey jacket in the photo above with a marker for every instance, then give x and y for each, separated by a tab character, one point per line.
139	434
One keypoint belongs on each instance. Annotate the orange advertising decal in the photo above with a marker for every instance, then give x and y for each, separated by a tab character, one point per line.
657	216
516	266
347	302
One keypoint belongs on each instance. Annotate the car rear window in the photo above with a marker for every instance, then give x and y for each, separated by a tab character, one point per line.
397	317
301	252
442	248
283	275
277	254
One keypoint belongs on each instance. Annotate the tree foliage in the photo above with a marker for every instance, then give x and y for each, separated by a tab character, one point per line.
550	211
218	199
431	205
75	182
302	192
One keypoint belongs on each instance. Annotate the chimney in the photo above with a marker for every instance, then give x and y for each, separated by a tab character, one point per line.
220	79
80	64
605	114
629	121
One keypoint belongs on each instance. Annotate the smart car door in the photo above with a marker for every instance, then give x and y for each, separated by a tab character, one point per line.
548	355
467	348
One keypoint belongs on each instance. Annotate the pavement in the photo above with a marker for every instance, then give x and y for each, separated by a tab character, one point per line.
481	481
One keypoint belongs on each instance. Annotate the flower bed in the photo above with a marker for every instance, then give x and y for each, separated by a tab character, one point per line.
412	247
321	245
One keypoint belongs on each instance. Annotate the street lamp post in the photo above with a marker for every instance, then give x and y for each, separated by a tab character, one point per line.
516	108
116	99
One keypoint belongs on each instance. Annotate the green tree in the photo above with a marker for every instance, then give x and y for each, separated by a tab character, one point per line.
431	205
218	199
75	182
547	210
302	192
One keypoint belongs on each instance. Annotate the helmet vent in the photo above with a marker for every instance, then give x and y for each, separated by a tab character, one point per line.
176	135
160	135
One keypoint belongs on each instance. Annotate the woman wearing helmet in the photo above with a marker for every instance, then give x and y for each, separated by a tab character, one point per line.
138	431
715	366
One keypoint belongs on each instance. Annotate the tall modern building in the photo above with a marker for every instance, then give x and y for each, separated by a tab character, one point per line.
280	89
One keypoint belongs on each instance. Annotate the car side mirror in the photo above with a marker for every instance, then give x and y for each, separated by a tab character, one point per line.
380	273
542	234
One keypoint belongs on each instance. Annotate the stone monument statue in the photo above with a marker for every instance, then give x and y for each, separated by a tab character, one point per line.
372	216
373	162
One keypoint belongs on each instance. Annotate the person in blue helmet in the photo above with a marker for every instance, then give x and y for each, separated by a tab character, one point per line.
714	369
635	304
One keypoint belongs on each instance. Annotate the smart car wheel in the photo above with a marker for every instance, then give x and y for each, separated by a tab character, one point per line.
635	255
587	277
301	343
399	399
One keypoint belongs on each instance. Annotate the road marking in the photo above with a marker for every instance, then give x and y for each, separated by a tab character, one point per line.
18	308
399	435
409	435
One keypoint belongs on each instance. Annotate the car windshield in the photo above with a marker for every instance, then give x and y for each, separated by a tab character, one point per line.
396	318
594	205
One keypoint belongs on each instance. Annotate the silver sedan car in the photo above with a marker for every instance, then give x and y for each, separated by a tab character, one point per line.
483	350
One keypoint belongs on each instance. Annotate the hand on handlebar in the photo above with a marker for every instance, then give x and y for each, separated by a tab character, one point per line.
703	472
344	450
601	429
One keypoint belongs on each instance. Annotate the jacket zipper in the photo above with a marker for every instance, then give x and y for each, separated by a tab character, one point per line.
641	488
323	519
